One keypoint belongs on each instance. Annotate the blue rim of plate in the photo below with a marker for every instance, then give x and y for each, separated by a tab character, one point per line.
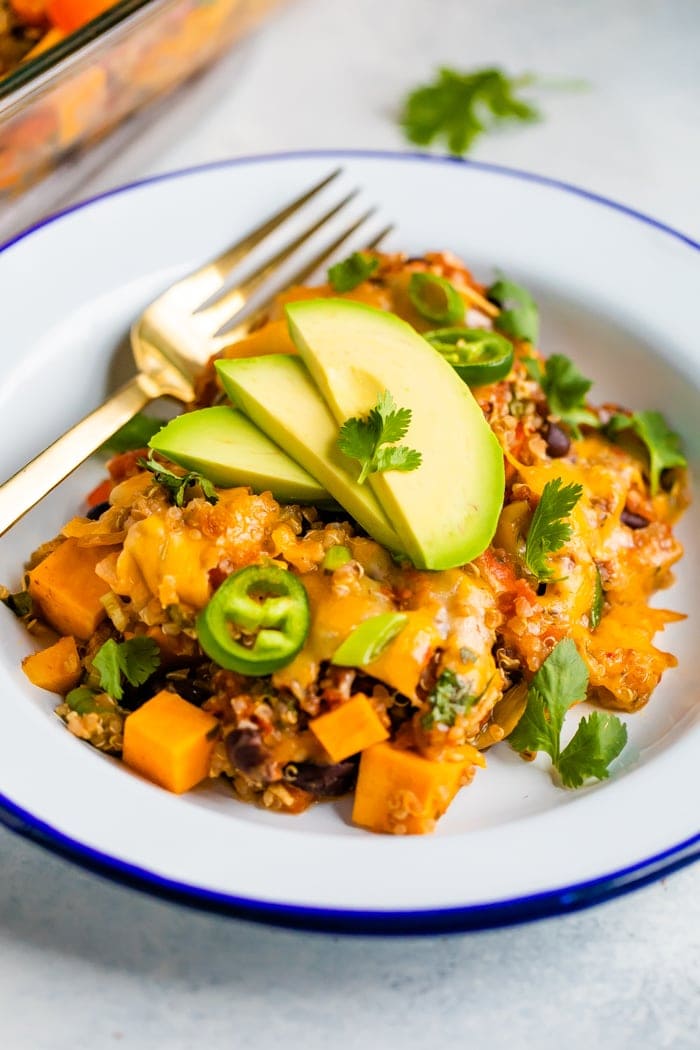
331	920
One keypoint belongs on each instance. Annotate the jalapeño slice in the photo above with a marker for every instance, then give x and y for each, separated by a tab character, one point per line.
477	355
256	622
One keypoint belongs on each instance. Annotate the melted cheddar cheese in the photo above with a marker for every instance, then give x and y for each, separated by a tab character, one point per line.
489	624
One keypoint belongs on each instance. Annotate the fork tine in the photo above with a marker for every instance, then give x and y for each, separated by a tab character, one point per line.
309	268
231	302
299	277
209	279
376	241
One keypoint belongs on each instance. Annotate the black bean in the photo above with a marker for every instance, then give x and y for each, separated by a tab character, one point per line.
245	749
96	512
192	689
324	781
136	696
558	442
632	520
399	714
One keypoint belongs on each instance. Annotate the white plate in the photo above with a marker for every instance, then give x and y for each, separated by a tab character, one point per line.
617	292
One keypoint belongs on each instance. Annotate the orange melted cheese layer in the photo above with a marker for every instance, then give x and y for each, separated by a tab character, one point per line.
339	602
624	665
174	557
169	553
451	615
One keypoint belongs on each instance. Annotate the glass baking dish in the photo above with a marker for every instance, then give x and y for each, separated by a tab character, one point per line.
59	104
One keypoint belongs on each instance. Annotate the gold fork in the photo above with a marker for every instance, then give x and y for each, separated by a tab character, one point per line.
173	340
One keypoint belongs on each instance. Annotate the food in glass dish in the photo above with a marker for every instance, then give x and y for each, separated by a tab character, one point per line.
67	80
391	535
30	27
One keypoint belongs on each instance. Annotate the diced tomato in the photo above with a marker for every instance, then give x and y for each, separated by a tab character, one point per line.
100	494
126	464
497	570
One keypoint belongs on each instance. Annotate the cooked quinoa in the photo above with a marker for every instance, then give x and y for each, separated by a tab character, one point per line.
487	625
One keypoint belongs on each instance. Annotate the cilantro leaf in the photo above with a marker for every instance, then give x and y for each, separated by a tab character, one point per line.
662	444
597	741
134	434
548	531
458	107
534	732
361	439
358	439
396	457
519	317
448	698
561	681
135	659
565	389
391	422
177	484
85	701
108	664
346	275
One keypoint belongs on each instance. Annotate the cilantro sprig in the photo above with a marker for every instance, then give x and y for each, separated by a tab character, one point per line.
565	388
561	681
448	698
549	530
135	660
459	107
519	317
177	484
371	440
346	275
662	444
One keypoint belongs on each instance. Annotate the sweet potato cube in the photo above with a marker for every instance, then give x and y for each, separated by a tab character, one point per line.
56	668
403	661
352	727
170	741
67	590
402	792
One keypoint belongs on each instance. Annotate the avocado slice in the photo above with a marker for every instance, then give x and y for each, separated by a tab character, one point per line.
227	448
278	394
446	510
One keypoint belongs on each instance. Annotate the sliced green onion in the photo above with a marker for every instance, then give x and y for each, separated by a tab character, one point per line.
346	275
336	557
367	641
435	298
598	599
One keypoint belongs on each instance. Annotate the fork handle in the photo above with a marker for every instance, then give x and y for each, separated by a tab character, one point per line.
34	481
